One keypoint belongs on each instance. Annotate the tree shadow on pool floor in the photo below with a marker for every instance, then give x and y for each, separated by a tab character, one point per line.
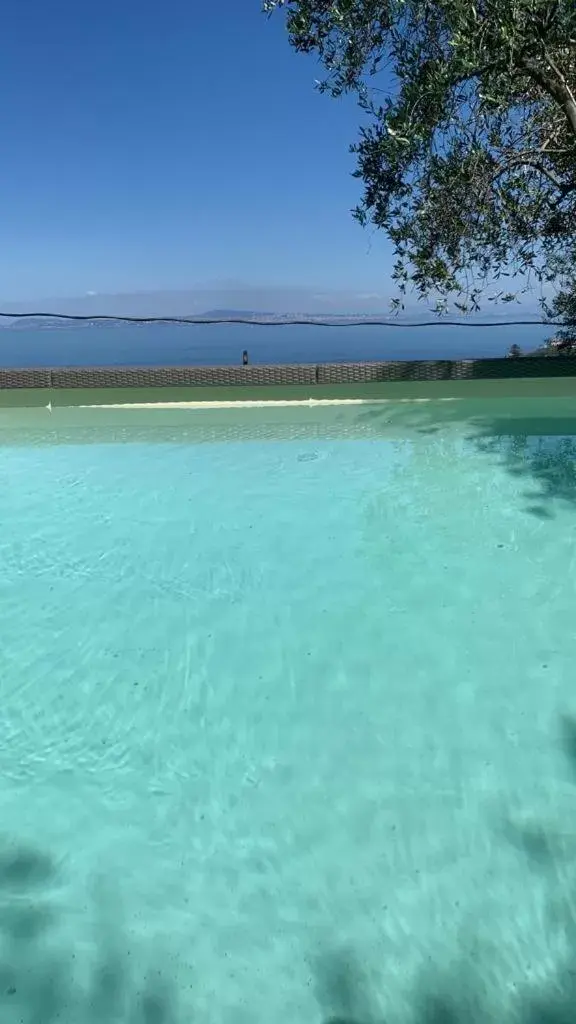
541	451
39	981
346	995
545	462
455	997
39	984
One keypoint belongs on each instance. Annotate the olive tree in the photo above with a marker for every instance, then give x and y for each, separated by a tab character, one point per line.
563	308
467	142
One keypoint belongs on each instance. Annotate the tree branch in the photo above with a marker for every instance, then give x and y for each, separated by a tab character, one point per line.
556	89
560	76
527	161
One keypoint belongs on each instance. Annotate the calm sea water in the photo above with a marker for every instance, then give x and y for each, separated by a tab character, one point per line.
162	344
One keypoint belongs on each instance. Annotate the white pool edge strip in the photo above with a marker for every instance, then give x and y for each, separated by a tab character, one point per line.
255	404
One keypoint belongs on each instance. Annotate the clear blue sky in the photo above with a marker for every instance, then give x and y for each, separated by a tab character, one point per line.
155	145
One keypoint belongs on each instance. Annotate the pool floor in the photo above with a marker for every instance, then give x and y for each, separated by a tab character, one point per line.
288	717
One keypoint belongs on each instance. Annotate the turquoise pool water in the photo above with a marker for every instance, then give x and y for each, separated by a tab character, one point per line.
286	724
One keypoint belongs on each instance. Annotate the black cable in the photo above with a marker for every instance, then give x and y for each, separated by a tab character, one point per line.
282	323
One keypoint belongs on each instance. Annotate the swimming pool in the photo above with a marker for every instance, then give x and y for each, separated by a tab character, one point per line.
287	698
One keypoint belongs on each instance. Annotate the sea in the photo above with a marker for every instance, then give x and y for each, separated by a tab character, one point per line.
217	344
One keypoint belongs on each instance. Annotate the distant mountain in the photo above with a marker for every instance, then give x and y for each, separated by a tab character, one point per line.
226	295
233	314
237	299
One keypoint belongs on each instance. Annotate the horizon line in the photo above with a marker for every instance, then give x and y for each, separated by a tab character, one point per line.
311	320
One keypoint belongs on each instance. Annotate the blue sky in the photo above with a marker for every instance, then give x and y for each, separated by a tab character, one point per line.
169	145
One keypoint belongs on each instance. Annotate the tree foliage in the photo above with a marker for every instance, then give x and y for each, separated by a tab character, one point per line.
563	308
467	147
